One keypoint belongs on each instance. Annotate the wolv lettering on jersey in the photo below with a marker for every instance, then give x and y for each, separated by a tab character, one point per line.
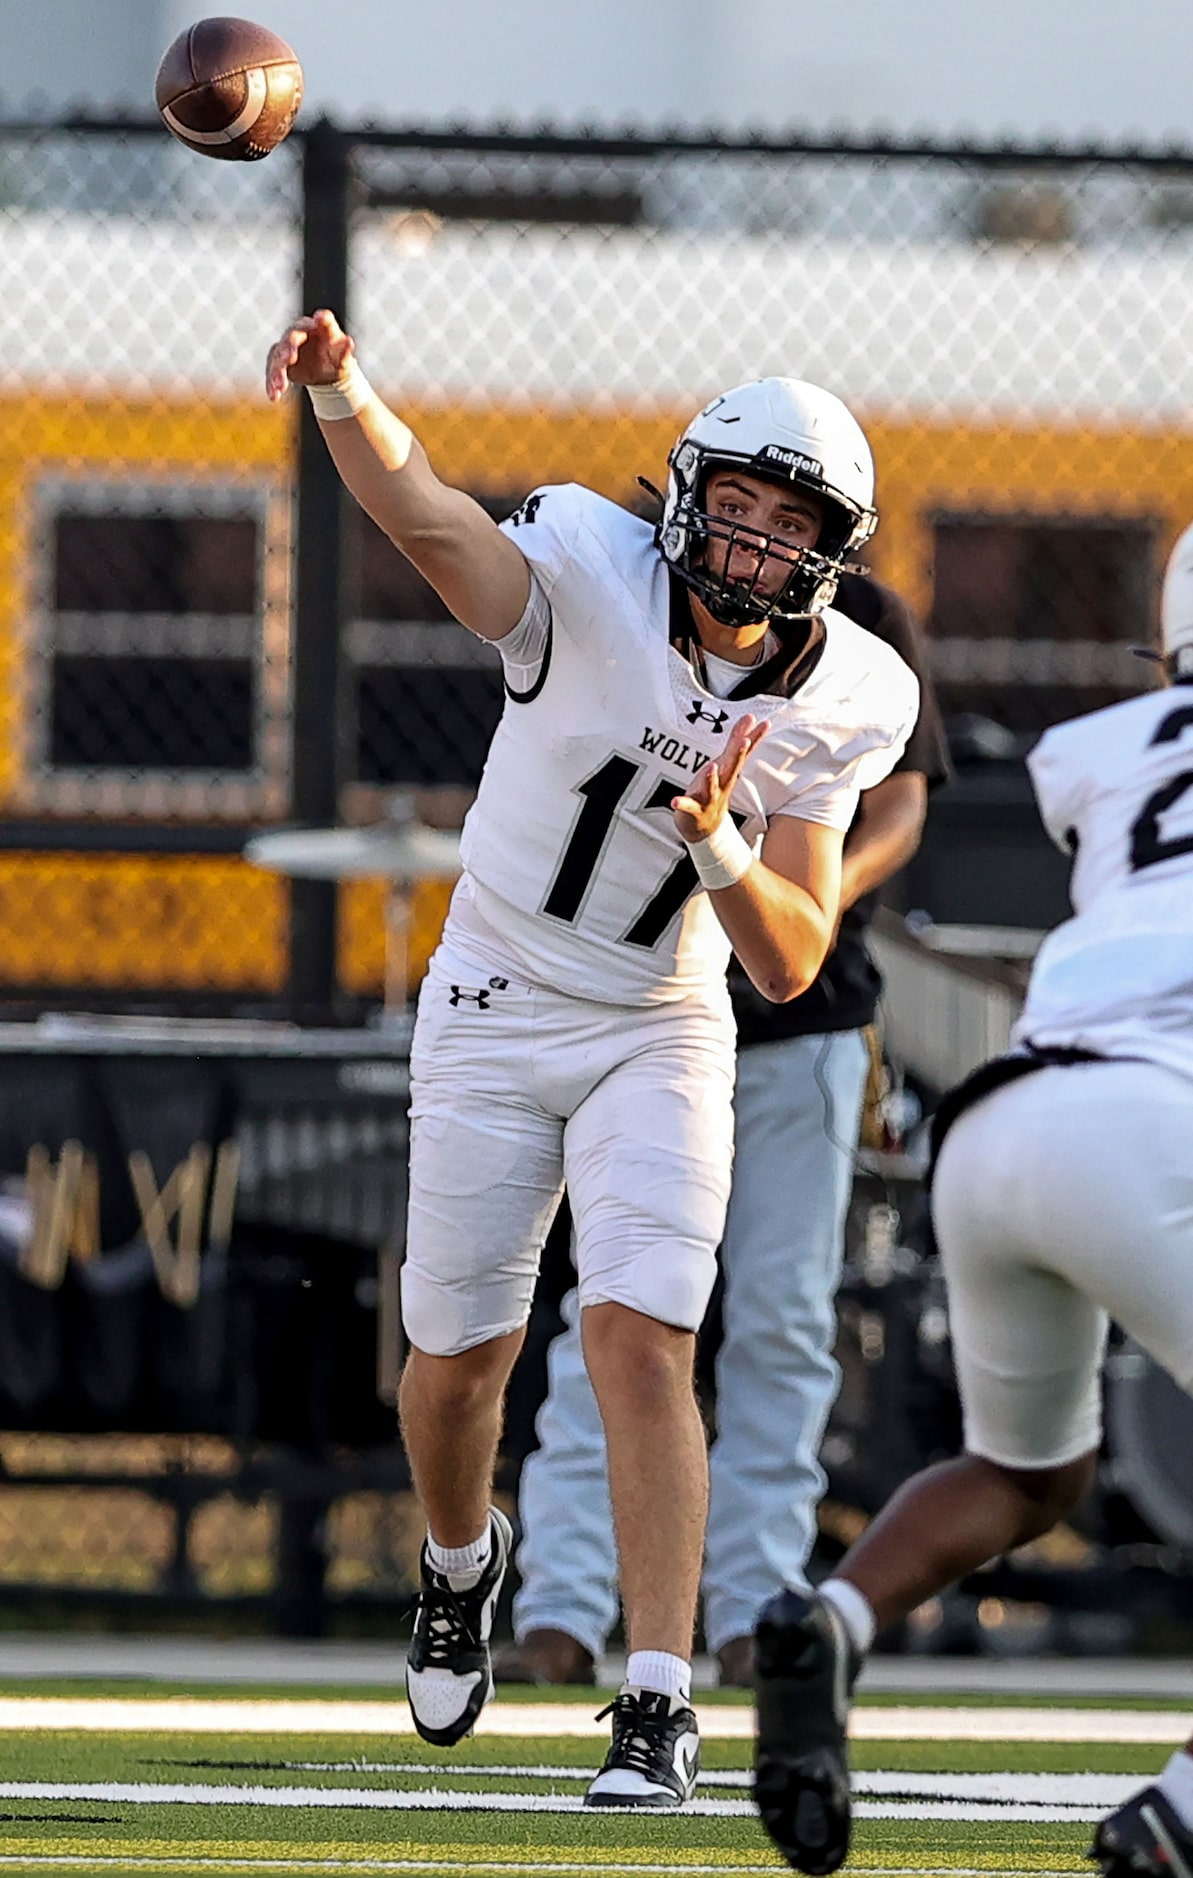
677	753
571	854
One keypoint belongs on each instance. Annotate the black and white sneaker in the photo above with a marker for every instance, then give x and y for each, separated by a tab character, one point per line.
448	1674
655	1754
1144	1838
805	1670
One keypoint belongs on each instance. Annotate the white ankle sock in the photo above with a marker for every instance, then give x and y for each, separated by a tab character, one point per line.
659	1672
1176	1784
853	1609
461	1565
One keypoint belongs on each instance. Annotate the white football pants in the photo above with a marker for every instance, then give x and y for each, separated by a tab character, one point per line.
1060	1200
515	1089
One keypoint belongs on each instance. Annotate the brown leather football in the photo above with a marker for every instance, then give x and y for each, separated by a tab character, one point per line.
228	88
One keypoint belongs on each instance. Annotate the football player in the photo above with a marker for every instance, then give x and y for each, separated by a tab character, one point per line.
1062	1196
685	733
798	1098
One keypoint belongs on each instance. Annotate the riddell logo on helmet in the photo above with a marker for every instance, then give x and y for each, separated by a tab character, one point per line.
790	459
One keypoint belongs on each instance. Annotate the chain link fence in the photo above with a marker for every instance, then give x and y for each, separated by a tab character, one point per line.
145	571
199	638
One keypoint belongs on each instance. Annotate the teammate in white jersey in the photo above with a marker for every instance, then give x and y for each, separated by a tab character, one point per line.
1062	1196
662	688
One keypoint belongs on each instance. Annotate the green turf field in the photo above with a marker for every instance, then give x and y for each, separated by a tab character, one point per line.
209	1783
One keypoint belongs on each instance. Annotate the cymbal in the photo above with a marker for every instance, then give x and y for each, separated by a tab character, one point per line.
394	851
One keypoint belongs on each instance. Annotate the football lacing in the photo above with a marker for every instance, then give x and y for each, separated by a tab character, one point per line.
445	1628
641	1742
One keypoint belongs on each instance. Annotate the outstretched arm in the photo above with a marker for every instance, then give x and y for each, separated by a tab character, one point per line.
779	909
480	575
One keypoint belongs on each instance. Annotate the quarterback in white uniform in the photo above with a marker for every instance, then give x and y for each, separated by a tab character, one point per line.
1062	1197
686	731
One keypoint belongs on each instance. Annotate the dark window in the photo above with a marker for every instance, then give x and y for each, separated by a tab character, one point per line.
417	723
1041	580
131	692
1032	617
155	564
148	713
424	725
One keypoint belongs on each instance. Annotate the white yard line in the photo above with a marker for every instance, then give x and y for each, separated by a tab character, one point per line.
191	1715
1019	1797
369	1799
1079	1792
351	1867
537	1868
1101	1791
1019	1724
204	1715
365	1867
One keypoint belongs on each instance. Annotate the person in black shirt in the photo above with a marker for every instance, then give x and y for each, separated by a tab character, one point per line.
801	1078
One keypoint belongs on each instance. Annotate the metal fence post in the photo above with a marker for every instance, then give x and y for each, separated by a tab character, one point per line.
320	700
300	1595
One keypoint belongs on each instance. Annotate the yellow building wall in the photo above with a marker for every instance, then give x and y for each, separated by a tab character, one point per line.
193	923
142	921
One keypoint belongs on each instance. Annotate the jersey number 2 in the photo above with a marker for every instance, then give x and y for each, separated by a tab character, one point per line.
603	793
1147	844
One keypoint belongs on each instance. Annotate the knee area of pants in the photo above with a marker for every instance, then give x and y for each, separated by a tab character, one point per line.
447	1320
458	1377
663	1290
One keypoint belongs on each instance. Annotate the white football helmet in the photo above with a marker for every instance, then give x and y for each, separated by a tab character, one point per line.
1176	608
788	432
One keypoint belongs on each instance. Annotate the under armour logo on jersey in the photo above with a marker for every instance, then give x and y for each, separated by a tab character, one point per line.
479	998
528	510
698	714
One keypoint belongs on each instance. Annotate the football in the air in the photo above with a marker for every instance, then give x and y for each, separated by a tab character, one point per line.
228	88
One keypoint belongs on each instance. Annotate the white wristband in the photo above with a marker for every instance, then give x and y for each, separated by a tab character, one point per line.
724	858
346	398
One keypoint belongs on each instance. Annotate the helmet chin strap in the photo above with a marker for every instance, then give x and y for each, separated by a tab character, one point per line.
743	613
733	614
1178	664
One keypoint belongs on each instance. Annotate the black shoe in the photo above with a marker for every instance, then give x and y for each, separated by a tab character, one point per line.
448	1674
655	1754
1144	1838
805	1669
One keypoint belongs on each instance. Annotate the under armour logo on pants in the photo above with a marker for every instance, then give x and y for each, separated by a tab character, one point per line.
479	998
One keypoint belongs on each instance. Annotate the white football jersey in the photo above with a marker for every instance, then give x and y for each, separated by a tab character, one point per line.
1115	789
575	875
